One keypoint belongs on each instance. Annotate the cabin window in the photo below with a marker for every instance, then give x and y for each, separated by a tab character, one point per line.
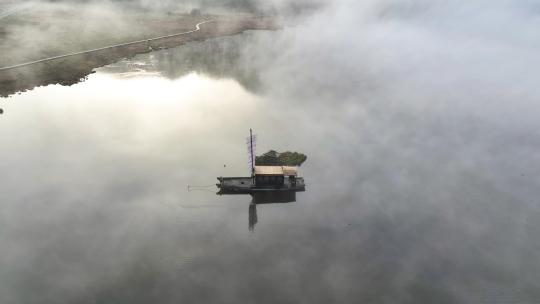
269	180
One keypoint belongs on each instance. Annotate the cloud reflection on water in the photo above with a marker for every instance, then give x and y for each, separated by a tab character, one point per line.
415	195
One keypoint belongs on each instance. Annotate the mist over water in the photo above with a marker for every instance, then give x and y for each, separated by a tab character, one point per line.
419	119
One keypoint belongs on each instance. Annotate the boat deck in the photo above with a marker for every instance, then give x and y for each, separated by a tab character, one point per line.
246	185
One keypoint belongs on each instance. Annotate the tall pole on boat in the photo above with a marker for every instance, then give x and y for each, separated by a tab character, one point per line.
252	152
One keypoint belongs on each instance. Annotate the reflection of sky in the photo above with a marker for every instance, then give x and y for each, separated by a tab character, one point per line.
408	200
139	115
95	182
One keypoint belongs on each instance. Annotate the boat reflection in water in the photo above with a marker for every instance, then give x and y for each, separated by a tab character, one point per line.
264	188
252	216
267	198
259	194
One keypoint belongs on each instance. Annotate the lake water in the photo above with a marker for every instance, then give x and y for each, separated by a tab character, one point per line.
399	207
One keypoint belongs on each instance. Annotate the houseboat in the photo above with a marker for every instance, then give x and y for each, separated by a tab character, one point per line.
266	182
264	179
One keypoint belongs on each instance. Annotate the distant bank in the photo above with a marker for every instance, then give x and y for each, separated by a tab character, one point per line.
70	68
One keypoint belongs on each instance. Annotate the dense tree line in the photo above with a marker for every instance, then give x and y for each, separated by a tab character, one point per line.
274	158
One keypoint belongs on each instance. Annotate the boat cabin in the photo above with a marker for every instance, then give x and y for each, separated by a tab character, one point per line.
274	175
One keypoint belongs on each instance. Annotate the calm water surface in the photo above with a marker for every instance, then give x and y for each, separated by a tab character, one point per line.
398	208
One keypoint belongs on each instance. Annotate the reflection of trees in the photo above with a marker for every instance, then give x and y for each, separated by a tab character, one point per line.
223	57
219	57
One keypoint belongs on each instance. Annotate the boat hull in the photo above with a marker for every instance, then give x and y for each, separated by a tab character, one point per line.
246	185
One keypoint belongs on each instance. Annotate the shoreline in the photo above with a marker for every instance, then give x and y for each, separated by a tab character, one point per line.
77	66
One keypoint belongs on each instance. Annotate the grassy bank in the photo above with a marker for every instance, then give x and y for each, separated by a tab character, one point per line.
51	31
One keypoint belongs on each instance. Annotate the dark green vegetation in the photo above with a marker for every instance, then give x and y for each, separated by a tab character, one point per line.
274	158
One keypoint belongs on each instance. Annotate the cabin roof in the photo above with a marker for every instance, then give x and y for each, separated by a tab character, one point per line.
276	170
